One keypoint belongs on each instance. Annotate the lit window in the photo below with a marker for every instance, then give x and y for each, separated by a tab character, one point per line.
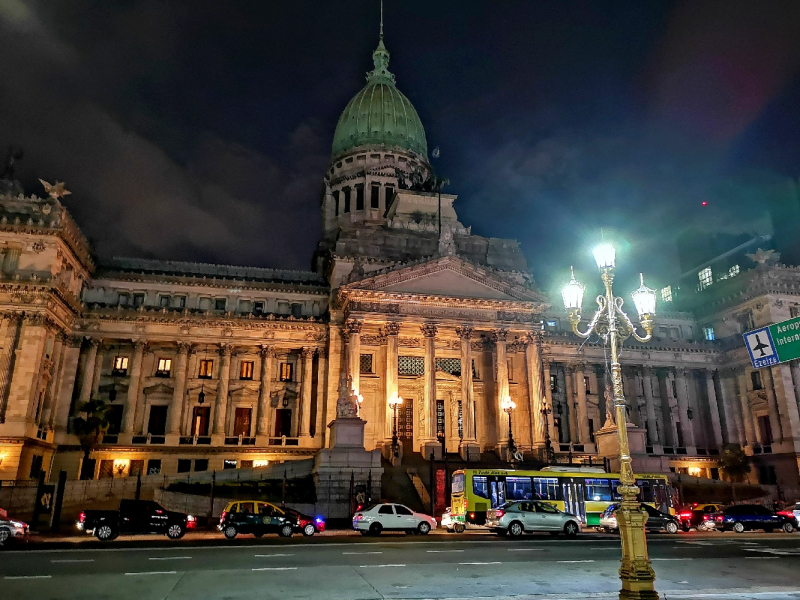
286	371
206	368
120	365
164	367
706	278
246	370
552	324
666	294
708	333
733	271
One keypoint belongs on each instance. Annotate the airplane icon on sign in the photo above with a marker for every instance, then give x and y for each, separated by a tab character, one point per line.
760	346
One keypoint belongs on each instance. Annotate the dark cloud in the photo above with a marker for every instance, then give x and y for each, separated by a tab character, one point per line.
202	130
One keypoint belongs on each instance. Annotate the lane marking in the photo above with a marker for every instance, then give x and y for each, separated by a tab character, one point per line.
73	560
170	558
377	566
353	553
275	569
153	573
523	550
481	563
27	577
270	555
575	561
673	559
440	551
761	557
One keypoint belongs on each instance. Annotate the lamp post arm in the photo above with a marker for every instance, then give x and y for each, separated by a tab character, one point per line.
647	324
575	319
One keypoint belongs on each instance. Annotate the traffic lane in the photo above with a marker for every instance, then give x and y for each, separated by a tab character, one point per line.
450	551
399	580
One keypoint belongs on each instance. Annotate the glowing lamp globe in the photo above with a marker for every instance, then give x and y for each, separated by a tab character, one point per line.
395	400
645	299
572	293
604	255
508	404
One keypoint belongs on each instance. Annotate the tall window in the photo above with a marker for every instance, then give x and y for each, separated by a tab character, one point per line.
120	365
246	370
666	294
346	199
164	367
286	371
388	195
706	278
366	363
359	197
755	379
336	204
206	368
708	333
375	196
138	300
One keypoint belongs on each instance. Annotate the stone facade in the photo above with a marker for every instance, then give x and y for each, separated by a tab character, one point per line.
213	366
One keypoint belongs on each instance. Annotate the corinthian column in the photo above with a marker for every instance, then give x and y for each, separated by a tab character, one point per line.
548	393
9	346
175	411
467	398
221	401
52	386
499	337
264	390
713	407
650	405
583	413
429	393
353	331
304	410
88	371
747	413
129	419
569	390
687	433
391	330
533	363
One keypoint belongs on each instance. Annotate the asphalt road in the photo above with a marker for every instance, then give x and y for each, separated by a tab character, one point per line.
752	565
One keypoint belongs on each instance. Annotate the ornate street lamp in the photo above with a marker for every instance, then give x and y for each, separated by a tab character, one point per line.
548	446
508	405
611	323
395	402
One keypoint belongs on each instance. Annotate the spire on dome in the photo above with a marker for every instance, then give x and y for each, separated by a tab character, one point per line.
380	58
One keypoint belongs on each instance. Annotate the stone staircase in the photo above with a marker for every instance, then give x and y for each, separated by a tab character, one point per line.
422	491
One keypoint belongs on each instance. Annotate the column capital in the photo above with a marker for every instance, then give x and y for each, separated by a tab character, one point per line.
267	350
225	349
391	328
579	366
74	341
307	352
96	342
499	335
13	316
547	362
429	330
183	347
61	337
464	332
140	344
352	326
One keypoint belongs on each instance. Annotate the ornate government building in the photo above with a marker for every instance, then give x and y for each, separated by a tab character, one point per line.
213	366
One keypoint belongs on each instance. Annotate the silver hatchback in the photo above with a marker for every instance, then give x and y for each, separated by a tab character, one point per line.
516	518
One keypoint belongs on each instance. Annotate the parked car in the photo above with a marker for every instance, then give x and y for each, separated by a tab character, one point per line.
792	512
516	518
258	518
744	517
11	529
699	516
391	517
135	516
656	520
453	522
307	525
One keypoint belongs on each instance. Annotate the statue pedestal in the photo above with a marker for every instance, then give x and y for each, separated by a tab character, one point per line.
347	433
607	440
470	451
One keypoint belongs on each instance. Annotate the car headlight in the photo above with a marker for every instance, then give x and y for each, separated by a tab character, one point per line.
18	524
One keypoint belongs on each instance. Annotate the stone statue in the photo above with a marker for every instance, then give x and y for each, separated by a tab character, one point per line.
447	243
347	403
609	397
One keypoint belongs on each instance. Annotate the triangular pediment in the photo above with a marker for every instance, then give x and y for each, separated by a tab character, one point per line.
448	276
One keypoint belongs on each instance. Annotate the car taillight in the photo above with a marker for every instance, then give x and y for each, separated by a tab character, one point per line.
706	517
499	513
719	518
686	514
191	521
222	516
359	516
82	517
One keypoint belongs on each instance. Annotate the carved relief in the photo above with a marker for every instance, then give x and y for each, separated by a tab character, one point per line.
429	330
499	335
391	328
353	326
409	342
464	332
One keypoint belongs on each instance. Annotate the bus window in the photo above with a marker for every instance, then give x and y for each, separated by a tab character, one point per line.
645	491
616	495
547	488
661	497
519	488
497	485
458	484
598	490
480	486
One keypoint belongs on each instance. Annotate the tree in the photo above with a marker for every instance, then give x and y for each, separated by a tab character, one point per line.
734	464
90	430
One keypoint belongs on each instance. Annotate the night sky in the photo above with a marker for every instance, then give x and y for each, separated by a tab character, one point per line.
201	130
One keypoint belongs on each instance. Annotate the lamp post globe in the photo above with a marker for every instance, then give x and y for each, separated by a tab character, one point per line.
614	326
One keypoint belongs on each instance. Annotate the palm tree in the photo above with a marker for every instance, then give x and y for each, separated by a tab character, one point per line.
90	430
734	464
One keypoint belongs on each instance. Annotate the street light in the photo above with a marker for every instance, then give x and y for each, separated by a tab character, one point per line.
611	323
508	405
395	402
548	446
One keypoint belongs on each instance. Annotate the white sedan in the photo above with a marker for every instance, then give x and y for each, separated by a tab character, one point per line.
516	518
391	517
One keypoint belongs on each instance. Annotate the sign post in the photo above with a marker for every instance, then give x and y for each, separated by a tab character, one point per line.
774	344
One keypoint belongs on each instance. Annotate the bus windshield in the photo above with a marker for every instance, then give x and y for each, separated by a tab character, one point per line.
458	483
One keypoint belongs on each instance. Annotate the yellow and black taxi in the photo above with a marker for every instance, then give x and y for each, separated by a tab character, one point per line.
258	518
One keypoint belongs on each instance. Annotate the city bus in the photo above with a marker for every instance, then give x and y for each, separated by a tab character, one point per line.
582	491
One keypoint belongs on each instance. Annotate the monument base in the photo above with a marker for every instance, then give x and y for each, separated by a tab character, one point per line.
607	440
469	451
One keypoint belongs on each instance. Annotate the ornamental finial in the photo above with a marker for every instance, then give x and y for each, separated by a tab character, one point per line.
380	58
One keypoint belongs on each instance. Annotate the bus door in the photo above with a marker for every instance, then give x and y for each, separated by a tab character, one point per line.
574	502
497	491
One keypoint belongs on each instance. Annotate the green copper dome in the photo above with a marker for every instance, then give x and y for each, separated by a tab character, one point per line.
380	114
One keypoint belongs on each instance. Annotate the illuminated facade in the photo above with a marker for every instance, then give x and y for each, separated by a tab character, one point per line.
211	366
